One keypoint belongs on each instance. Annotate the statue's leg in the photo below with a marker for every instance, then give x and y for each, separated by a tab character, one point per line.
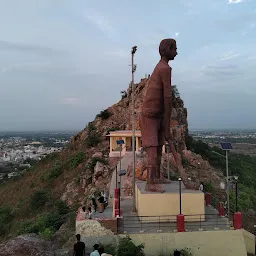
152	160
161	141
159	159
152	164
149	132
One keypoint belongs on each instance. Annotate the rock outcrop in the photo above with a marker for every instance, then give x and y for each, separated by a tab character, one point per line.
26	245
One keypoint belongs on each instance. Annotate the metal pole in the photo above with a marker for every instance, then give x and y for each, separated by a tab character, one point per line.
236	197
227	181
168	161
133	132
180	193
116	176
120	155
119	203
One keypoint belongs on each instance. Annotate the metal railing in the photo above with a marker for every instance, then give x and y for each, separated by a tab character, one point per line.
205	222
166	224
148	224
215	204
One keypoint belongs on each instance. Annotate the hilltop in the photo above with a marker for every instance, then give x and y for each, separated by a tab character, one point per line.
57	185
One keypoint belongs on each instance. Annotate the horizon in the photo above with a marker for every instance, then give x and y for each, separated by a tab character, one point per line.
63	75
77	131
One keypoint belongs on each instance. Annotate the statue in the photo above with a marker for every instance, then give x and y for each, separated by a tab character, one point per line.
155	118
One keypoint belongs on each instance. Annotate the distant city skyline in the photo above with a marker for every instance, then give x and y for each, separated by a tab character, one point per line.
63	62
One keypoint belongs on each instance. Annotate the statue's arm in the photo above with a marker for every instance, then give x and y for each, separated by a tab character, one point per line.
165	74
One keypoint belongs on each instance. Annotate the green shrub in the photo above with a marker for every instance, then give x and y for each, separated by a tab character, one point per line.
186	252
104	114
46	233
109	248
45	225
53	173
77	159
93	137
32	185
127	248
175	91
61	207
5	219
93	161
39	199
123	94
28	227
208	187
184	161
51	220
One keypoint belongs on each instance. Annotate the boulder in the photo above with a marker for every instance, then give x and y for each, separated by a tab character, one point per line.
26	245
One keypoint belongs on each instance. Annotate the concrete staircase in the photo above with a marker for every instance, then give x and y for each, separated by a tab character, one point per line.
125	162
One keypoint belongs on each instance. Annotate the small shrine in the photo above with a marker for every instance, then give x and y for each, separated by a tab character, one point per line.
126	136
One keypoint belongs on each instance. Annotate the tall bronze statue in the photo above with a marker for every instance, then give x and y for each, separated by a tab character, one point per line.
155	118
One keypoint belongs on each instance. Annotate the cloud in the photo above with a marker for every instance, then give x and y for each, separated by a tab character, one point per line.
22	47
27	66
221	72
177	34
100	22
229	55
235	1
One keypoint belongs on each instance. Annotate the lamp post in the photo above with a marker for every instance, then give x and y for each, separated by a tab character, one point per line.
168	160
119	197
180	192
116	176
120	143
236	179
134	49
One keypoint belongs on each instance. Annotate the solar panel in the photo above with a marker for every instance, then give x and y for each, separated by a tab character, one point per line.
226	145
122	172
120	142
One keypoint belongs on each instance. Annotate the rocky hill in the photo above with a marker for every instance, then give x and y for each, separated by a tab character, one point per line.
84	166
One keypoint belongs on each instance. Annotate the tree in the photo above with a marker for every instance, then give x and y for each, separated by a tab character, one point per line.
175	91
123	94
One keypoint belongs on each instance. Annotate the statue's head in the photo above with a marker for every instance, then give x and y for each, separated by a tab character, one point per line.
168	49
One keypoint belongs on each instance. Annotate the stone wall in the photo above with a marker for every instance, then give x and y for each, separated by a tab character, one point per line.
87	228
110	224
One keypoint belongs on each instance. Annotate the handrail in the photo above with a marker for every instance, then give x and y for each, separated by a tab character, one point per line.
168	223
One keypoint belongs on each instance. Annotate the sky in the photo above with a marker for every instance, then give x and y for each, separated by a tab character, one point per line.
62	61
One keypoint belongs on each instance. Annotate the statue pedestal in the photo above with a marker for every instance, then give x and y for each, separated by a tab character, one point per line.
165	206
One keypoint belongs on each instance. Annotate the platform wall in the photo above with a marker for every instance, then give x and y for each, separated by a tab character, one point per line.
210	243
166	204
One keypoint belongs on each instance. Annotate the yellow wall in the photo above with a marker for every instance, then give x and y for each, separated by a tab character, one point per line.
249	240
210	243
168	204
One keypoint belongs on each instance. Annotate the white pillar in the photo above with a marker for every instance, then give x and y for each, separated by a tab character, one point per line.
124	146
137	144
110	144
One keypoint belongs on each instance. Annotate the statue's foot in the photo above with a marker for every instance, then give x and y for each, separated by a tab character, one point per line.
162	181
192	186
154	188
